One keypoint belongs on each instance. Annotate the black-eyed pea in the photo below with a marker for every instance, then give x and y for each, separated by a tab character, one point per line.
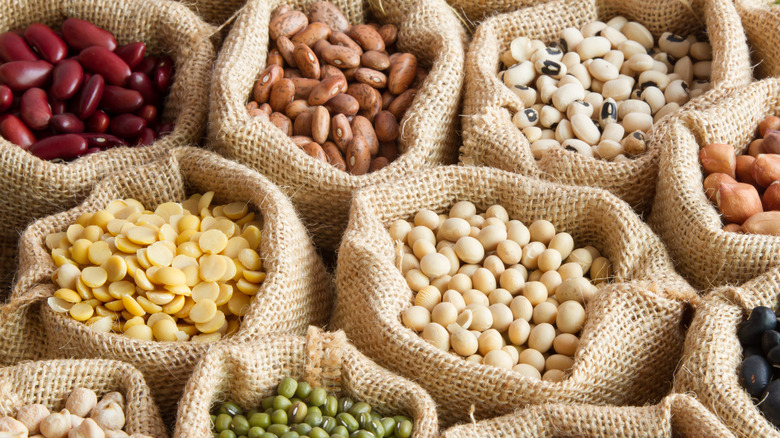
665	110
525	118
593	47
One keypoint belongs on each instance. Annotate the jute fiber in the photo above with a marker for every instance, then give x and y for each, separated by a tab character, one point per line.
688	223
474	11
713	354
215	12
490	137
34	188
247	373
677	415
760	18
295	293
320	192
632	339
50	382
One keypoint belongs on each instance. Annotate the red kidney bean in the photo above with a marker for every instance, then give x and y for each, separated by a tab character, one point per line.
142	84
104	62
57	106
91	151
65	146
127	125
90	96
163	74
165	129
34	109
132	53
120	100
14	48
148	113
103	141
21	75
6	98
15	131
46	42
81	34
67	123
146	66
146	137
97	122
67	78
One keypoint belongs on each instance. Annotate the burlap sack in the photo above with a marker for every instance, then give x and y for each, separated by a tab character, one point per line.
686	220
50	382
247	373
474	11
676	416
628	348
295	293
320	192
32	187
760	18
491	139
713	354
215	12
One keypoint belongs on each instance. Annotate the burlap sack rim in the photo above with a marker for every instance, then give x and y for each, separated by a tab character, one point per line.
234	121
185	130
753	12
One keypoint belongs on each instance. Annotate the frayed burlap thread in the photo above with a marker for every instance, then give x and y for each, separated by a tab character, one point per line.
677	415
214	12
247	373
688	223
760	18
630	344
475	11
34	188
320	192
491	139
50	382
295	293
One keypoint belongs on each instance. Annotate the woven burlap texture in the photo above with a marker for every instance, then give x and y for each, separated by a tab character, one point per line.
713	354
688	223
295	293
760	18
35	188
50	382
215	12
247	373
628	349
677	415
491	139
472	12
320	192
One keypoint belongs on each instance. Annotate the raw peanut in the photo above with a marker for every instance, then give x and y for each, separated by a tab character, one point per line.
362	127
320	124
744	170
334	155
364	94
716	157
767	222
315	150
389	33
286	49
275	58
311	34
771	143
766	169
756	147
14	48
287	24
342	39
296	107
737	202
367	37
388	150
771	198
282	122
375	60
266	108
329	14
46	42
34	109
15	131
303	87
306	61
400	104
67	77
325	90
371	77
101	61
302	124
343	104
771	122
341	132
132	54
402	73
386	126
358	157
301	140
732	228
378	163
328	70
80	34
282	93
341	57
268	78
712	183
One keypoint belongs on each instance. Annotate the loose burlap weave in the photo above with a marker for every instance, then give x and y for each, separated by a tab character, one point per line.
50	382
631	341
32	187
686	220
215	12
491	139
760	18
713	354
295	293
320	192
474	11
247	373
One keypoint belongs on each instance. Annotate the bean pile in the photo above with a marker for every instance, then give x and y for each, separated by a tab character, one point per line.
74	93
340	91
300	410
83	417
497	292
599	89
746	188
167	274
761	351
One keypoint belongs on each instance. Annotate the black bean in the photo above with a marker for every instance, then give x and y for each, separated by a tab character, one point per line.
755	374
769	340
761	319
770	404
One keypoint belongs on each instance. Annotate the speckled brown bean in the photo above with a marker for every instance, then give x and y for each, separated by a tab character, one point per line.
358	157
377	164
319	46
306	61
342	103
343	40
286	49
388	150
387	99
320	124
340	132
371	77
375	60
274	58
296	107
313	33
341	57
364	95
266	108
367	37
315	150
256	112
350	74
282	93
389	33
372	112
362	127
386	126
328	70
287	24
329	14
420	77
301	140
281	9
334	155
292	73
325	90
282	122
400	104
303	87
302	124
268	78
402	73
